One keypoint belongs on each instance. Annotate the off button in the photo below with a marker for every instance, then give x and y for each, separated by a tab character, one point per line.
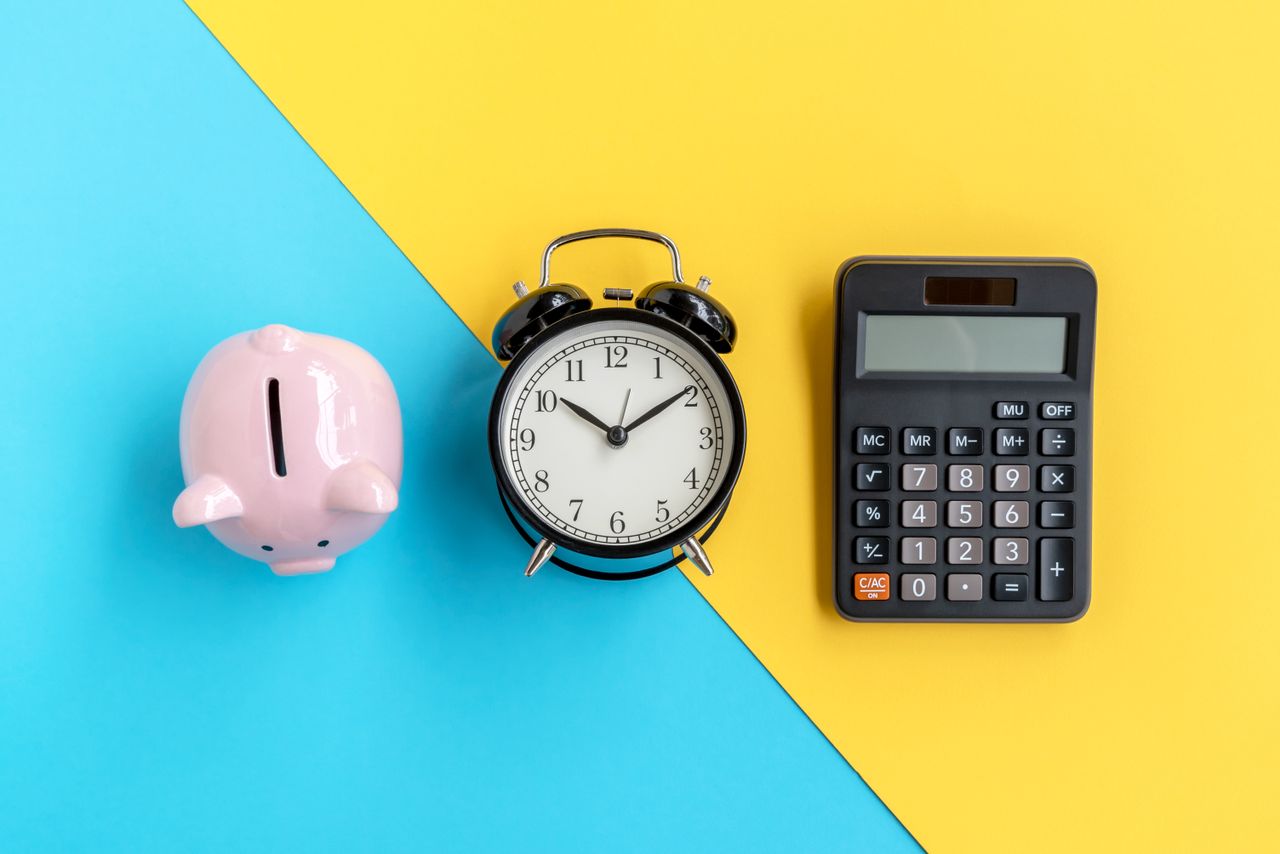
871	586
1057	410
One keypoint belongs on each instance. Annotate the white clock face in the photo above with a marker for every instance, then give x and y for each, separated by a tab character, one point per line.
616	432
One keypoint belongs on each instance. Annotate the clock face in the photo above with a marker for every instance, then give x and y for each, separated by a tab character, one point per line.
617	434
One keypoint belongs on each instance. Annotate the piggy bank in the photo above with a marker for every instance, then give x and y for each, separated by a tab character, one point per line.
291	448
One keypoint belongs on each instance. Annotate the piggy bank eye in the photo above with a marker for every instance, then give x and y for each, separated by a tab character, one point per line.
267	549
322	543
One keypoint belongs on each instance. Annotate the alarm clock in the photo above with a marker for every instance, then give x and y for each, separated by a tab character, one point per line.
616	432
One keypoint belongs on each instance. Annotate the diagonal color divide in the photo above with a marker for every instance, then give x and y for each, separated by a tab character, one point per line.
773	146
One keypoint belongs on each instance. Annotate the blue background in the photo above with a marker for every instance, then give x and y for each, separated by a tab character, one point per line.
158	691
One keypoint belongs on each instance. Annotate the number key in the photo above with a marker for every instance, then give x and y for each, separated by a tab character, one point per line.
919	550
964	478
964	550
919	514
1011	514
1010	550
1013	478
919	478
964	514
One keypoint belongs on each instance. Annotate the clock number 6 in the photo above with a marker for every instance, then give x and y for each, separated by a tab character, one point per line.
615	522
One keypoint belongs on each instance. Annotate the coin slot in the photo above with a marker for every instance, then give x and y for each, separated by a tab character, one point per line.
277	426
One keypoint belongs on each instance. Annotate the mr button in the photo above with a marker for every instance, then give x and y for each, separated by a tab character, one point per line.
871	586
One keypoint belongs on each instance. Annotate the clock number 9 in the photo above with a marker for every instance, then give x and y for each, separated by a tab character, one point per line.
526	439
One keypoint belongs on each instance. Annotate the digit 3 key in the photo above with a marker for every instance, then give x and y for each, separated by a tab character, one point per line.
963	439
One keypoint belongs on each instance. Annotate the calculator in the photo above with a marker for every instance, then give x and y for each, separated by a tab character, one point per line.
963	439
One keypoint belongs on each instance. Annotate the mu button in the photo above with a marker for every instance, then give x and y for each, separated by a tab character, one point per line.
871	586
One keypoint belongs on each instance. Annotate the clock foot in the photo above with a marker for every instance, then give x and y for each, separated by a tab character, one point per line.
542	553
697	555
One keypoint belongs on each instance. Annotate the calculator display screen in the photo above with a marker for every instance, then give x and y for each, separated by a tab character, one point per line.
965	344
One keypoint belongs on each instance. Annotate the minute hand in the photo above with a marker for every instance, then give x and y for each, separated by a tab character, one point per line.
657	409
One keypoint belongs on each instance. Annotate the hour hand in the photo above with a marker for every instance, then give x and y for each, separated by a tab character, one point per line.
659	408
585	415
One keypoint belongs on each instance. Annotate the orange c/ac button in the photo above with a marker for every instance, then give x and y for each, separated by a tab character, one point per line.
871	586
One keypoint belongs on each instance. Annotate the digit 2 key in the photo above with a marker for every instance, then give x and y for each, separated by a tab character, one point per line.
963	438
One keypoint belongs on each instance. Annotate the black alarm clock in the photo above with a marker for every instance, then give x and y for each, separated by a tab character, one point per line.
616	432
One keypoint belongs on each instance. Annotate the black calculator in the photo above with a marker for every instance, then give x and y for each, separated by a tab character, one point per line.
963	438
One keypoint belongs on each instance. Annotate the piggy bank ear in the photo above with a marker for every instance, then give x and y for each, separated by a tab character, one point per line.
361	487
206	500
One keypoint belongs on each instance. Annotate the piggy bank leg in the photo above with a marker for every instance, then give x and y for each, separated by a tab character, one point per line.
361	487
206	500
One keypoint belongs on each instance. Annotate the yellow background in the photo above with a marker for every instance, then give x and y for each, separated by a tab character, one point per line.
774	141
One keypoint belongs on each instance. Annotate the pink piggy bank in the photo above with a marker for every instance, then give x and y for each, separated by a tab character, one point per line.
291	448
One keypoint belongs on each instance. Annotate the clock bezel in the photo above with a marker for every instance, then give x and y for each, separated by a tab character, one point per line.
711	507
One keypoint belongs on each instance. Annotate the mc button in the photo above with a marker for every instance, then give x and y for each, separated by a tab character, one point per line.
871	440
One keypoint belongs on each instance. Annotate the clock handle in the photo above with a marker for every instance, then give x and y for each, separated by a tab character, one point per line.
638	233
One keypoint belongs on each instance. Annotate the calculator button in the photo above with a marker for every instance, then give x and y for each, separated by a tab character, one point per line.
871	514
1057	410
1057	514
919	587
920	441
871	440
1012	478
872	477
1058	441
1057	478
964	587
1010	551
1012	442
919	478
919	514
1010	587
1055	569
964	478
871	586
919	550
1011	410
870	550
1011	514
964	514
964	550
964	441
